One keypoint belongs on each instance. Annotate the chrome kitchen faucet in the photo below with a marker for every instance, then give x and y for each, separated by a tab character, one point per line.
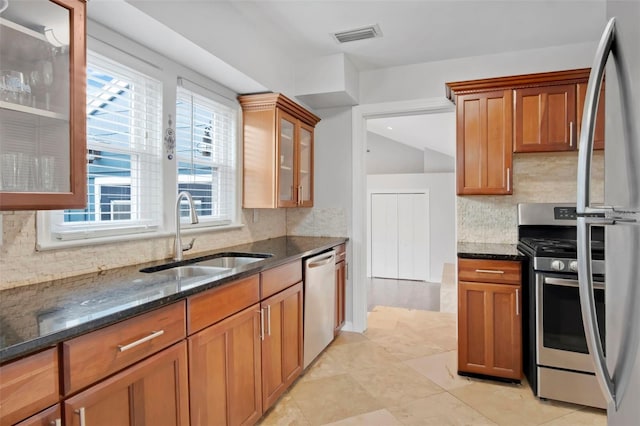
193	215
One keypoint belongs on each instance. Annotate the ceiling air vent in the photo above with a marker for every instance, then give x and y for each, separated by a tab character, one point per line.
371	31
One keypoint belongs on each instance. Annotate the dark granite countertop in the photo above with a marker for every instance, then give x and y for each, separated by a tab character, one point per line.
489	251
37	316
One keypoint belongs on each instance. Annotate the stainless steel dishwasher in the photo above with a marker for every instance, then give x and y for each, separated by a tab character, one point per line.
319	303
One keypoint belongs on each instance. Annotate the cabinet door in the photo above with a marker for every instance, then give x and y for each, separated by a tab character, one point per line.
282	344
484	137
413	237
286	136
341	281
224	371
489	330
384	235
42	108
152	392
581	93
545	119
48	417
305	165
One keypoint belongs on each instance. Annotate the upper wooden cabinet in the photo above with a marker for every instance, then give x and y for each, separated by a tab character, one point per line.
581	93
278	152
484	143
545	118
43	106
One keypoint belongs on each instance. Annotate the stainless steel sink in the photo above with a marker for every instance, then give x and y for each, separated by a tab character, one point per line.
228	261
192	271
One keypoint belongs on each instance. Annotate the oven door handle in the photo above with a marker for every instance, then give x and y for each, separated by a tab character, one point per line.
570	283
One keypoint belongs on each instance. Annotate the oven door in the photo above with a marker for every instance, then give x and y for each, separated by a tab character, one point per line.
561	342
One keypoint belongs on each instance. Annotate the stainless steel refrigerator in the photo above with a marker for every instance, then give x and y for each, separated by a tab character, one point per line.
618	363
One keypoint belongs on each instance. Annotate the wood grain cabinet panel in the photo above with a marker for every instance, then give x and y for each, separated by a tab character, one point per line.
278	138
211	306
282	348
57	126
225	371
489	318
581	94
28	386
93	356
49	417
152	392
484	140
545	119
277	279
341	282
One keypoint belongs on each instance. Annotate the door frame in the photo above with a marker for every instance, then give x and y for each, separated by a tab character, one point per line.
358	240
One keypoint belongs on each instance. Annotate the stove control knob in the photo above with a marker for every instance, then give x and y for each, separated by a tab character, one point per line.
573	265
557	265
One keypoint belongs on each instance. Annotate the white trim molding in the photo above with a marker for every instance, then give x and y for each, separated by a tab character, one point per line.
360	115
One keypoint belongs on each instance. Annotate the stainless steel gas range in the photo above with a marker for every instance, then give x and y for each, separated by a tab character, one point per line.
557	362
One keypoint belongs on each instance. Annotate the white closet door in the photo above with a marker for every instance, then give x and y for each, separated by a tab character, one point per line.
413	243
384	235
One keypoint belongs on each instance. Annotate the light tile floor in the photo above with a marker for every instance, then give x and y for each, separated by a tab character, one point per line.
402	371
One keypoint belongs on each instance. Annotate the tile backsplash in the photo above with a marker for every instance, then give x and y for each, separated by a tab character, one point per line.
21	264
537	178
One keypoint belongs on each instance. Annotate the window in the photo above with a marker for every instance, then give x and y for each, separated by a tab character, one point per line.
206	155
124	157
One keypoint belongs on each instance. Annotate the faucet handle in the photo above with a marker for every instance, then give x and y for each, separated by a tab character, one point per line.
189	246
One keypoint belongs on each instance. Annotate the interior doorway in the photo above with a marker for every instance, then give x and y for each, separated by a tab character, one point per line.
360	115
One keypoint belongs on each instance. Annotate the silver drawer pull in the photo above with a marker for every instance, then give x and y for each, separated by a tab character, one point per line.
80	413
489	271
153	335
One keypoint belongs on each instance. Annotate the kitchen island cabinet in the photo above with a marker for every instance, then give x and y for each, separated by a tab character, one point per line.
489	318
278	152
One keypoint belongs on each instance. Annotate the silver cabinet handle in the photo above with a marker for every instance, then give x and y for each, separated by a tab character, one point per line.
300	194
80	412
583	206
56	422
571	133
153	335
508	179
517	302
489	271
268	320
261	323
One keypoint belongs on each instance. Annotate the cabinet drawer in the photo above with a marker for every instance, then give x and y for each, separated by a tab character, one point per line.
216	304
28	386
492	271
277	279
341	252
93	356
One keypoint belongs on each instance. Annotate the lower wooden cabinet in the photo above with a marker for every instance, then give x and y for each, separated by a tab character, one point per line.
489	320
282	342
224	371
49	417
341	282
28	386
152	392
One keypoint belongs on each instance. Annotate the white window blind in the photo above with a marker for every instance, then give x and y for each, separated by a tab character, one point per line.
206	156
124	113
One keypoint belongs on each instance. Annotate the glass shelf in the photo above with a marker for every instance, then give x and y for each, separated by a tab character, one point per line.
31	110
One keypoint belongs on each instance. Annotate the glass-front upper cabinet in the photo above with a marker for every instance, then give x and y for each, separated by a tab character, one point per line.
42	104
305	169
286	187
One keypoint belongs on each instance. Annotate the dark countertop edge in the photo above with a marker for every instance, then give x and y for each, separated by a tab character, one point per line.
490	251
19	350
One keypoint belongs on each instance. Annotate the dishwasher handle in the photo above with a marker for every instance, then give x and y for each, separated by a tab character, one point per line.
322	260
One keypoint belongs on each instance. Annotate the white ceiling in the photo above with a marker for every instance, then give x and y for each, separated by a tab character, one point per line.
424	30
214	37
432	131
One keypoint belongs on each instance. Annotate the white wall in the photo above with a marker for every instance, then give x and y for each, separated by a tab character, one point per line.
386	156
427	80
442	210
436	162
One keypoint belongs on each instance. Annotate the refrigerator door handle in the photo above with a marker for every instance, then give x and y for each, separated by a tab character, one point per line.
586	215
